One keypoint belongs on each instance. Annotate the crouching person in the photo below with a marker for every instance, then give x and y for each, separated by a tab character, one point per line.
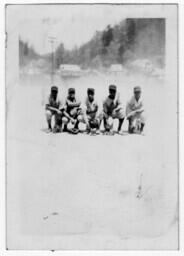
112	109
73	112
134	112
54	109
93	119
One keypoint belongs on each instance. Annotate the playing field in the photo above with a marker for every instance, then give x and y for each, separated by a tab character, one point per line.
78	191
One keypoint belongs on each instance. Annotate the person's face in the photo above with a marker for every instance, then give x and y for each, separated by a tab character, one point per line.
112	94
137	95
72	95
91	97
54	94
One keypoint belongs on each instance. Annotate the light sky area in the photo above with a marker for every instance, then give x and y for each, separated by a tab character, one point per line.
72	25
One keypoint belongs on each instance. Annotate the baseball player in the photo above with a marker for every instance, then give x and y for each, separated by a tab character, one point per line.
134	112
54	109
93	120
112	109
73	110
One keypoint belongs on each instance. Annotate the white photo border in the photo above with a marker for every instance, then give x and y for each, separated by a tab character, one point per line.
3	250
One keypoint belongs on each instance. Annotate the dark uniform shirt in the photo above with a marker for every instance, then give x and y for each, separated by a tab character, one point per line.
109	105
70	109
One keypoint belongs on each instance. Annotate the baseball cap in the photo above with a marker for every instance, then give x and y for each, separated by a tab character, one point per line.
71	90
54	88
112	87
91	91
137	89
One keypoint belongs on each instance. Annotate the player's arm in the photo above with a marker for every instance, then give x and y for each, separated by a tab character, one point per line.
73	104
89	111
48	107
118	107
62	108
118	104
140	109
129	111
63	111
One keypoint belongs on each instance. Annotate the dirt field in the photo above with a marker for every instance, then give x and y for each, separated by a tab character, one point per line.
79	192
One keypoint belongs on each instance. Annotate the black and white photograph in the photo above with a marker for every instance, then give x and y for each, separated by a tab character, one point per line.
92	127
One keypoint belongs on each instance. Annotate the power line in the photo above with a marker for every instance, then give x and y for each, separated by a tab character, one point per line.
52	41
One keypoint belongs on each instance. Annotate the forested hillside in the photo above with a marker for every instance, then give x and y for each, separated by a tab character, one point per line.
26	53
129	40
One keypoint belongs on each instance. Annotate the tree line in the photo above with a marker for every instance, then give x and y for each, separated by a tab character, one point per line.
124	42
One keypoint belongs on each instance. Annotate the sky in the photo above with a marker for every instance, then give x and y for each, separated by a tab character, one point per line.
74	25
71	25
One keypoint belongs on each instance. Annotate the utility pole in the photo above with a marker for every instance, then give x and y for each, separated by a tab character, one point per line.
52	40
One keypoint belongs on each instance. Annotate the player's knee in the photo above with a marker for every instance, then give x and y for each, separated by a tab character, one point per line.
65	120
80	118
48	115
121	114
